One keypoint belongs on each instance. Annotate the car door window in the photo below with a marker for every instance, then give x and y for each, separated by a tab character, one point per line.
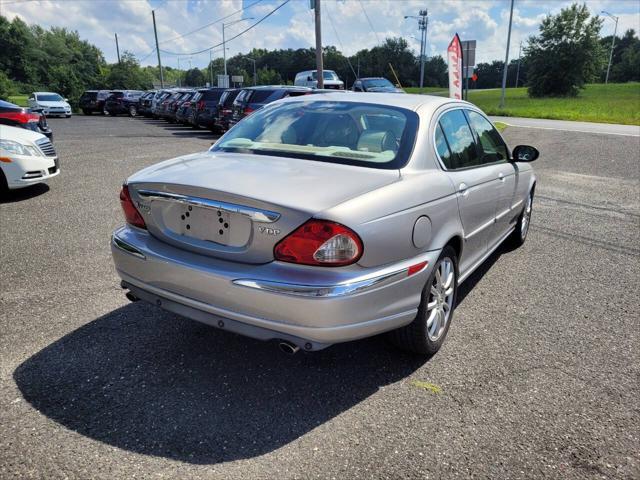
460	140
492	145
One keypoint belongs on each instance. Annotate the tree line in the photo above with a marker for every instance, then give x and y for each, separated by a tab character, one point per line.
566	54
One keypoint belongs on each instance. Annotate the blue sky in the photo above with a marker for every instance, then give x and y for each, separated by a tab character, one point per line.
344	23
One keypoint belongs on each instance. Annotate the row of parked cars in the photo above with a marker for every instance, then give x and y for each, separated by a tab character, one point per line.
216	109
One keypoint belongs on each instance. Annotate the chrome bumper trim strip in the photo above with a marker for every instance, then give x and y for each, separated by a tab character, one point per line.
323	291
124	246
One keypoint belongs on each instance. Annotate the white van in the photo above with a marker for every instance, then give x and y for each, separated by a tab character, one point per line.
309	78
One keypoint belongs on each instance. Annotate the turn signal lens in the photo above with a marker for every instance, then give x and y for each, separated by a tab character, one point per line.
320	242
131	214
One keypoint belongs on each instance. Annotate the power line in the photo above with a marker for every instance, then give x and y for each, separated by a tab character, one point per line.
369	20
239	34
340	41
211	23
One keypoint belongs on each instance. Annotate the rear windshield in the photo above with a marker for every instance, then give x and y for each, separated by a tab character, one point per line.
228	97
89	95
369	135
117	94
212	94
260	96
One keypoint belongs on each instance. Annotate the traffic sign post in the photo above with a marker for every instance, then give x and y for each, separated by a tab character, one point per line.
469	62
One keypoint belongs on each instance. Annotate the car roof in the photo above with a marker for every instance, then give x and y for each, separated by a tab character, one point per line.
408	101
46	93
373	78
5	104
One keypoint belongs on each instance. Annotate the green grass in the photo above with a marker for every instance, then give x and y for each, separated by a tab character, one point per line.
613	103
427	90
19	100
500	126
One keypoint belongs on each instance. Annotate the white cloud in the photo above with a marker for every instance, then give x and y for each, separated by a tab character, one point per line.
292	26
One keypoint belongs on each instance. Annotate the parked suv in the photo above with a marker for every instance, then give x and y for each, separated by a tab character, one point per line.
123	101
16	116
93	101
309	78
225	108
253	98
206	107
144	104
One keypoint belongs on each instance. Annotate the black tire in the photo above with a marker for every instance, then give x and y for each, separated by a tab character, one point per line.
103	111
112	114
4	186
68	116
415	337
519	235
86	111
133	111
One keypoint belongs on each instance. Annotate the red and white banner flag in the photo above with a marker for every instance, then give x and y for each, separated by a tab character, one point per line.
454	57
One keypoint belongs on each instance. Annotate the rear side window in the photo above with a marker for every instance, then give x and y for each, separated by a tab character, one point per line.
213	95
493	147
228	98
89	95
462	146
260	96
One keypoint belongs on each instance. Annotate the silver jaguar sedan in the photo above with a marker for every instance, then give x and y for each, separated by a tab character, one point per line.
322	219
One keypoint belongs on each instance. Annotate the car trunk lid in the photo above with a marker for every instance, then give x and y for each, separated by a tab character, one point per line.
238	206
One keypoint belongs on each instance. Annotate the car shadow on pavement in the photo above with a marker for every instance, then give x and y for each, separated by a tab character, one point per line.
25	193
147	381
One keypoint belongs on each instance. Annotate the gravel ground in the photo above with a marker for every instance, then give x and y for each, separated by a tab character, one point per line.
539	376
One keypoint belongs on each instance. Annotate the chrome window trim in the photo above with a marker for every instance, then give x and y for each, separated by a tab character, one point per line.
435	148
255	214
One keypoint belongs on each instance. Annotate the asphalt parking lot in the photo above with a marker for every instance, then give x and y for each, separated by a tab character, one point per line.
539	376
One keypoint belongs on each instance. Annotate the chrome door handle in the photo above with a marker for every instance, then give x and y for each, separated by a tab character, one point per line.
501	177
463	190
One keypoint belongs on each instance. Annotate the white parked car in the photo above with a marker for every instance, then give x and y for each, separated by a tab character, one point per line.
50	103
26	158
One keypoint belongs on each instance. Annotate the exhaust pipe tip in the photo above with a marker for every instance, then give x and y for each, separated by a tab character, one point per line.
288	347
131	297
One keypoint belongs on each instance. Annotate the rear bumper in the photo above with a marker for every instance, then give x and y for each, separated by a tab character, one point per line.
308	306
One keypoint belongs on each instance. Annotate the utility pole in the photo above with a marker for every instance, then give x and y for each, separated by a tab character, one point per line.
211	67
155	33
506	59
613	42
224	42
179	74
319	67
518	70
117	48
255	78
423	23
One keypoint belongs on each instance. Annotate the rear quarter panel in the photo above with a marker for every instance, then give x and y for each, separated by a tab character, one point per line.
385	218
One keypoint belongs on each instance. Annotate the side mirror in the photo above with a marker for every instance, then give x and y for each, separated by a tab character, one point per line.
66	99
525	153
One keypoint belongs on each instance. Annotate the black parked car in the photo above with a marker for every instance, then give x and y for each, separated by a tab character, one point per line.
253	98
16	116
375	84
206	108
182	107
225	108
93	101
144	104
123	101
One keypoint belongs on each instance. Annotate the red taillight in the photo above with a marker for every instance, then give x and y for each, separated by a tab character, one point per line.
201	105
131	214
320	242
21	117
248	110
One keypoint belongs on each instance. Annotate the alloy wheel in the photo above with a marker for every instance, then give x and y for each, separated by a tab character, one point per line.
526	218
441	299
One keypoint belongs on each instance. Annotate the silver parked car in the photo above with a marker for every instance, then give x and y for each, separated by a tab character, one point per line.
327	218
